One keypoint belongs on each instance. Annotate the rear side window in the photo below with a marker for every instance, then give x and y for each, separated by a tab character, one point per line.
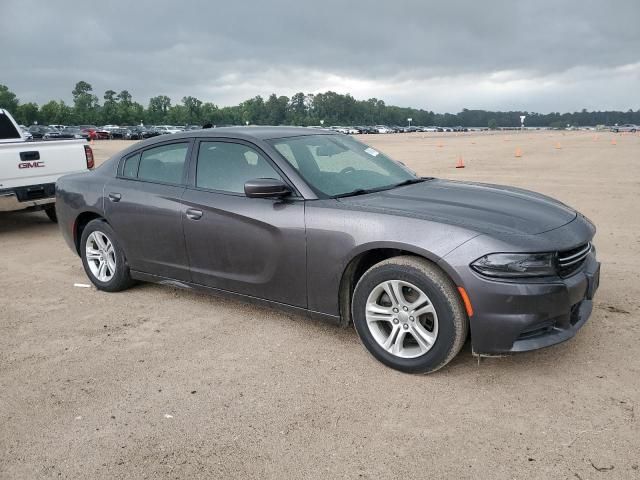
163	164
227	166
130	169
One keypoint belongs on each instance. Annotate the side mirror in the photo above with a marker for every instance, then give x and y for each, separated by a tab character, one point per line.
266	188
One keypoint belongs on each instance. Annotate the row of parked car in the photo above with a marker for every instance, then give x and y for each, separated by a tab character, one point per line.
393	129
106	132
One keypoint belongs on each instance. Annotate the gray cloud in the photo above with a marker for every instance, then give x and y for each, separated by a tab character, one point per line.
543	56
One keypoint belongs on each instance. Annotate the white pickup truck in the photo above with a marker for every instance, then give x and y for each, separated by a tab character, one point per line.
29	170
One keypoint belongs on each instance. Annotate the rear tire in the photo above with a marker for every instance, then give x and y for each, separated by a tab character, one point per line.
103	258
50	210
411	298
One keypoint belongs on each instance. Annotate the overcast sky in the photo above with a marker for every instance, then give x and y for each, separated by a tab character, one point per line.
442	55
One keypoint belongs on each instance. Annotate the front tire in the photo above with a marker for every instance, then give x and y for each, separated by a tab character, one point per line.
103	258
409	315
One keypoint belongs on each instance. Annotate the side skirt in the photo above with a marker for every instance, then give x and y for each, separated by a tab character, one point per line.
147	277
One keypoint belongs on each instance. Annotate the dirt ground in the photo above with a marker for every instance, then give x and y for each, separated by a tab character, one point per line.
163	383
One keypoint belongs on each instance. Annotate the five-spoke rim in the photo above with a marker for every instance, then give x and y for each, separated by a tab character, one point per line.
402	319
101	256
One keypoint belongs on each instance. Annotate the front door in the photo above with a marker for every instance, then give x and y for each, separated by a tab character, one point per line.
252	246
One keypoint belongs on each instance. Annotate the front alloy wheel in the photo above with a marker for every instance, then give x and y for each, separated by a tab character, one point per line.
402	319
409	314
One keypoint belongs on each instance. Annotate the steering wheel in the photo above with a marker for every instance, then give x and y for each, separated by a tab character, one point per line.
347	170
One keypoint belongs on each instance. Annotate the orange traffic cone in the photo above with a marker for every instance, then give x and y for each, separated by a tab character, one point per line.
558	146
614	141
460	163
440	145
518	152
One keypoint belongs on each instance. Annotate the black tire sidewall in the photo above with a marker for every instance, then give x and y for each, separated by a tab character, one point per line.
438	354
50	210
121	279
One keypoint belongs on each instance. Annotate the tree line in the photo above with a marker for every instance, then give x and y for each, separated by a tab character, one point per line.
332	108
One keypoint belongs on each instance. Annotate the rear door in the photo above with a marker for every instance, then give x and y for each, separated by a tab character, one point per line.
252	246
144	206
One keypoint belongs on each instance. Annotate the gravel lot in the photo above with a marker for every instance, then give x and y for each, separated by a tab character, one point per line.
163	383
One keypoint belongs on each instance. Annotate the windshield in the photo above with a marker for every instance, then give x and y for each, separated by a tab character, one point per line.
337	165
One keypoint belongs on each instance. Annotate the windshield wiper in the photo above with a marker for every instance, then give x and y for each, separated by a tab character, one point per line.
410	181
357	191
363	191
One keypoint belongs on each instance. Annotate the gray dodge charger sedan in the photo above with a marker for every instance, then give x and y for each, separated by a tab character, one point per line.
318	223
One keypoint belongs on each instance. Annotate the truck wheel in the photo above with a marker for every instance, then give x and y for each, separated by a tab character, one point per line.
103	258
409	315
50	210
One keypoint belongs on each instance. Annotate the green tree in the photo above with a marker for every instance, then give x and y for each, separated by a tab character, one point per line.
27	113
193	108
126	111
85	103
253	111
110	113
158	109
492	124
8	99
50	113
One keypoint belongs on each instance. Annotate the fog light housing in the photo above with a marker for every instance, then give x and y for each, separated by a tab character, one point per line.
516	265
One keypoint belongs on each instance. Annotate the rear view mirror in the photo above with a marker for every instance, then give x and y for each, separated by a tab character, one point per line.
329	150
266	188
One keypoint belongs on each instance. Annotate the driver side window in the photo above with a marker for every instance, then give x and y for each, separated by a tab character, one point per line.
225	166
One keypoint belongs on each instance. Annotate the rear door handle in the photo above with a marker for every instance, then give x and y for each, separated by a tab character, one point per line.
115	197
194	214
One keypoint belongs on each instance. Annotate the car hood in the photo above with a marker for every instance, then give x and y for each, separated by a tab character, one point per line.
481	207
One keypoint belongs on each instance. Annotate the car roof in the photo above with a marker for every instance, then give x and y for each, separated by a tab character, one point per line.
245	133
260	132
242	133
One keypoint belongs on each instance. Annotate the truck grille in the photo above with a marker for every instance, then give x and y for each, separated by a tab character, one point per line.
570	261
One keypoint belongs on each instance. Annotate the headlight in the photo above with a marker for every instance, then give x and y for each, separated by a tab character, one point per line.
516	265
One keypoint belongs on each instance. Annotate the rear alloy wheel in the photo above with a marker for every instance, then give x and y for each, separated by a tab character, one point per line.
103	258
409	315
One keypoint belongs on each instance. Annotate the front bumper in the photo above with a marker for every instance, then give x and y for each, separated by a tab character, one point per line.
517	317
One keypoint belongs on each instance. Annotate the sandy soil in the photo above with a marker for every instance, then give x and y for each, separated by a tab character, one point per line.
162	383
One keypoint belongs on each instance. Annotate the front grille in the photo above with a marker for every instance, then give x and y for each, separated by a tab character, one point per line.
537	330
570	261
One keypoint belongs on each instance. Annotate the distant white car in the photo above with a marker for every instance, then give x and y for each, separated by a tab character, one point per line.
429	129
383	129
26	133
627	127
167	129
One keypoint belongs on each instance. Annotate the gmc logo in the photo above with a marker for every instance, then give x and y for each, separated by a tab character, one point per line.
31	165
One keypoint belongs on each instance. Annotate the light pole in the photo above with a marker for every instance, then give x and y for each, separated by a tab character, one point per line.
322	123
409	120
522	117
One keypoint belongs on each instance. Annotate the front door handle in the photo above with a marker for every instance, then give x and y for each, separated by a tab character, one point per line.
115	197
194	214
